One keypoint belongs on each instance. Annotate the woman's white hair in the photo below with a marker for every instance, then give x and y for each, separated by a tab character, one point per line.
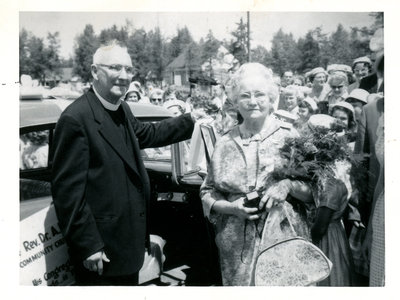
104	50
252	69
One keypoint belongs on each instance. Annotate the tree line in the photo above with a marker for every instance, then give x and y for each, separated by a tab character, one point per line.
151	52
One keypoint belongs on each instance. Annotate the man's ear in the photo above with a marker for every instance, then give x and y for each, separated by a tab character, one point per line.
93	69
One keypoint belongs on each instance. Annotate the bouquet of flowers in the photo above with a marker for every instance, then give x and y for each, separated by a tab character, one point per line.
318	154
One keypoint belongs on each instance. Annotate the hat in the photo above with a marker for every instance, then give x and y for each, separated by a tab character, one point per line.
133	88
363	59
156	92
284	115
358	94
311	102
321	120
170	103
337	67
315	71
347	106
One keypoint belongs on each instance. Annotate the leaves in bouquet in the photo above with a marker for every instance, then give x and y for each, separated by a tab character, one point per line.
310	155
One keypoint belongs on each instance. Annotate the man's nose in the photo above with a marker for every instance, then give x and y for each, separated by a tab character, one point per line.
123	74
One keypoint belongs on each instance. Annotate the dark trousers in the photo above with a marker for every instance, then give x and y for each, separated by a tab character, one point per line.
84	277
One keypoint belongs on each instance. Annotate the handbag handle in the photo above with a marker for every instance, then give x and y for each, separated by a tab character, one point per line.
290	223
274	214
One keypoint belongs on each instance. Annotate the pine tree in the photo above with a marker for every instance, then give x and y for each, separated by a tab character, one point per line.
258	54
309	53
284	52
340	51
238	45
209	50
154	50
113	33
85	47
324	46
37	58
359	42
52	53
179	42
137	47
24	53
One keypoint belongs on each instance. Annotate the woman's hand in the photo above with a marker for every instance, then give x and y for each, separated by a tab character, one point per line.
249	213
275	195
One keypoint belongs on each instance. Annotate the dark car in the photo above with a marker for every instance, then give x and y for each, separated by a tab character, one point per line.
175	210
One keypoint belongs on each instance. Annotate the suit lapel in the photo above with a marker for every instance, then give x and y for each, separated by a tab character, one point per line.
114	140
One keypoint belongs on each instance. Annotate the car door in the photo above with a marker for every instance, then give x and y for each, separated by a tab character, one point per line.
189	232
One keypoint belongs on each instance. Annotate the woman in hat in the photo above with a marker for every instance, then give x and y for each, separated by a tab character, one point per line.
238	188
307	108
318	78
173	102
132	94
338	83
344	112
358	98
361	68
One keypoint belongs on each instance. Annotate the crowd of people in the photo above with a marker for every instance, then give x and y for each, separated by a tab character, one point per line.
346	218
304	149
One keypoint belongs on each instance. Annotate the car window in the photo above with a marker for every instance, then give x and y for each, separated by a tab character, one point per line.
34	150
158	153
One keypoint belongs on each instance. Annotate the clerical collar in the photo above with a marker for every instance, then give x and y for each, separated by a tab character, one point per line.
106	104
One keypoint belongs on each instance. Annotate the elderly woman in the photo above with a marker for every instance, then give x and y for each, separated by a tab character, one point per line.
239	189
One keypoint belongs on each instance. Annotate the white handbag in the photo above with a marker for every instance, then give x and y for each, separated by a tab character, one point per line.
287	260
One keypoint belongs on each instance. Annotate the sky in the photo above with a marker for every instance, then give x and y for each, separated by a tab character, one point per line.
263	25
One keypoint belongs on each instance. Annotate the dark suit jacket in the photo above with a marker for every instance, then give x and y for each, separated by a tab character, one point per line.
101	190
369	83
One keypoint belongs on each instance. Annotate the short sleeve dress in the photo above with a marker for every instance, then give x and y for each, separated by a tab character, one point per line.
237	167
334	243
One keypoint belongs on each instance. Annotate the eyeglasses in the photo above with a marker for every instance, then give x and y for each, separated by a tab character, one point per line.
336	87
247	96
118	68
